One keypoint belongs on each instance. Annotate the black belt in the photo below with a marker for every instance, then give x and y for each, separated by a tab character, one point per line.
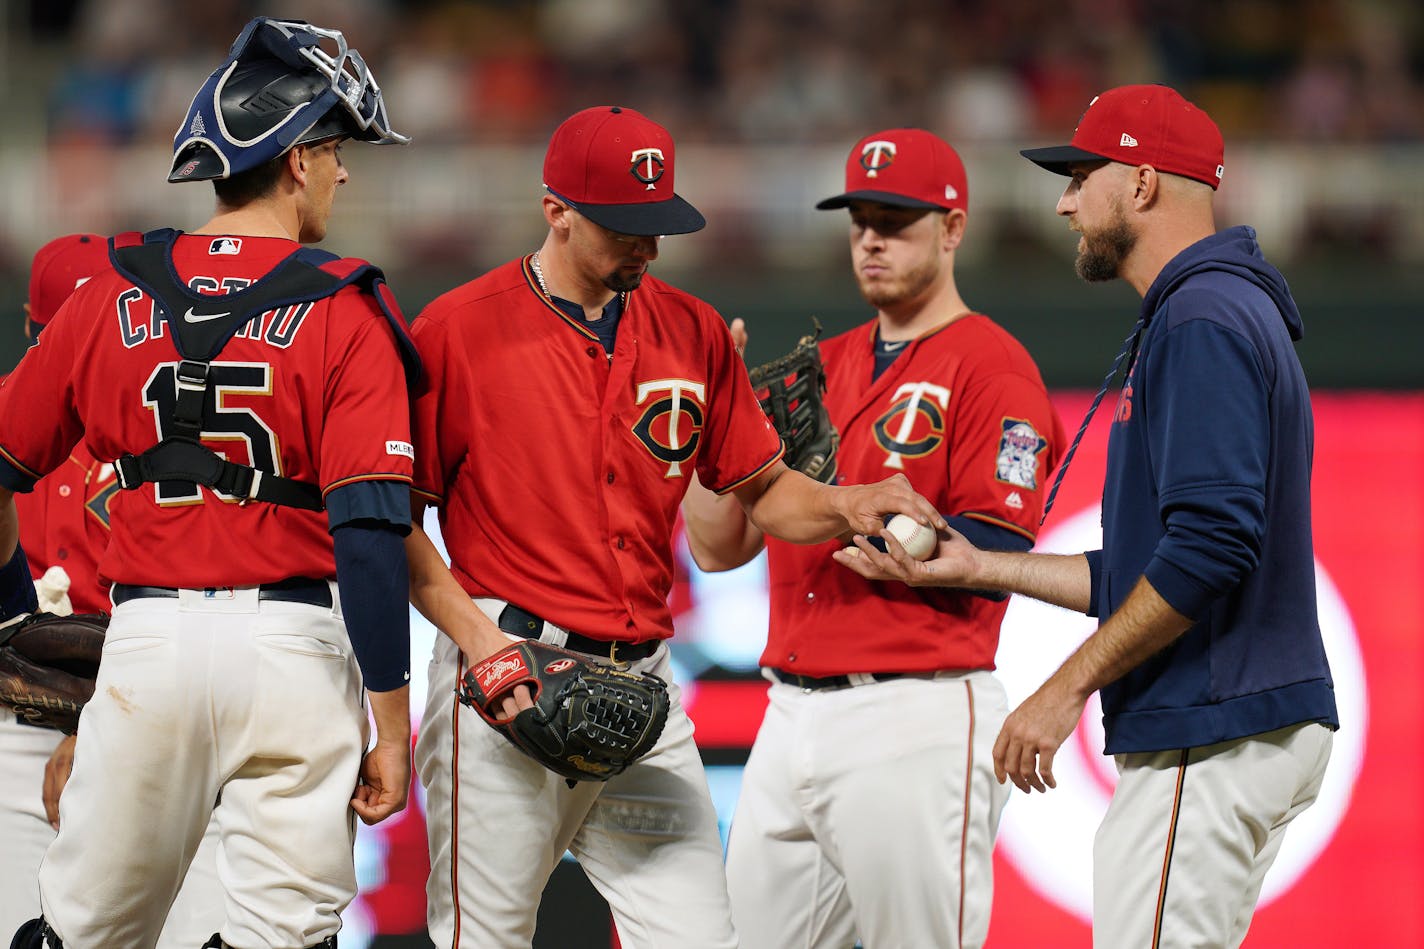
523	623
293	590
815	683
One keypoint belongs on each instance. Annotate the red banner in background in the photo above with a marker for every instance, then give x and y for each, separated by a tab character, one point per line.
1352	867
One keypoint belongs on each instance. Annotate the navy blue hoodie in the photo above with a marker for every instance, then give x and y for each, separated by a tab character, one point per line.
1208	495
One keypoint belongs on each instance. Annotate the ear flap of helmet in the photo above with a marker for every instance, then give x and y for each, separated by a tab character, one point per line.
277	88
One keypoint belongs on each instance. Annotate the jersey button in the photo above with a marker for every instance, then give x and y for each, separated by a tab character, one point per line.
65	490
610	477
62	553
620	543
592	351
810	597
791	658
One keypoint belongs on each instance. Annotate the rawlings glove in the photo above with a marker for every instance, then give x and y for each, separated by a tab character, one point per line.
589	722
790	391
48	665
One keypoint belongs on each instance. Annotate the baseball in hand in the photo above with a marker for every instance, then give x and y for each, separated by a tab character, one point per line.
918	539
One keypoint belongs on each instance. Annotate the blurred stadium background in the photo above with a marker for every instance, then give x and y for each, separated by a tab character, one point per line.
1322	106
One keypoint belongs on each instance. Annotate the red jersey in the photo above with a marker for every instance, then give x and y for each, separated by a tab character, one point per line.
314	392
557	470
64	522
964	414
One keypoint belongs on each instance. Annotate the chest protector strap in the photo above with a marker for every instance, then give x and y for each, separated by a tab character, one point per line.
201	325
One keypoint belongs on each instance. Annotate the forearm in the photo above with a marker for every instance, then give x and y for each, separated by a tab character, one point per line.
438	596
719	534
1143	625
1061	579
793	507
391	711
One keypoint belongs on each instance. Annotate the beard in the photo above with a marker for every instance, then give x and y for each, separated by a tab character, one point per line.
1104	251
621	284
917	279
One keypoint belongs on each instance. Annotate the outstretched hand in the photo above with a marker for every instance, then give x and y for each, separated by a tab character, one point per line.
954	562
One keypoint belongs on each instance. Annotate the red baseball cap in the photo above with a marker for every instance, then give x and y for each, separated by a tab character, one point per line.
1142	125
615	167
907	168
59	267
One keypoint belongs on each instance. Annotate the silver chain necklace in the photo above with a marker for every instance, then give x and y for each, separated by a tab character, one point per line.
538	273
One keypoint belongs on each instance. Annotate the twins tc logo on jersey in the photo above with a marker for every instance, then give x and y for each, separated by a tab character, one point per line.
1019	448
877	156
647	166
914	426
671	426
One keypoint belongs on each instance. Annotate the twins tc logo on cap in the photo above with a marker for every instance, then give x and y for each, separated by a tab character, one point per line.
648	166
877	155
909	168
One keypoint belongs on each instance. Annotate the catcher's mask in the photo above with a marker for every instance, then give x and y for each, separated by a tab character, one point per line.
279	87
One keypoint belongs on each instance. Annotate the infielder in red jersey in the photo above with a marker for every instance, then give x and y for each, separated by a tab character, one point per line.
852	823
252	396
64	527
570	398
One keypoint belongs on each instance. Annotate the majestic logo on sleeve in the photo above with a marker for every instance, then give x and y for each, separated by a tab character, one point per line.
647	166
877	156
917	420
1019	448
671	427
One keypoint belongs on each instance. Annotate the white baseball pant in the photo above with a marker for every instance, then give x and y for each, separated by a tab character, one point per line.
196	913
1182	852
870	811
499	822
261	699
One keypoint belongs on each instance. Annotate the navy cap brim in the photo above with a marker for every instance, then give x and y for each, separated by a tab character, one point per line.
879	197
1058	158
654	219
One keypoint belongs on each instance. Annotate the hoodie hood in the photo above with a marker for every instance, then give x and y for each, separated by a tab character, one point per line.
1232	251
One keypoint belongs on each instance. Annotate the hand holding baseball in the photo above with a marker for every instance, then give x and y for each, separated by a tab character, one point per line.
951	561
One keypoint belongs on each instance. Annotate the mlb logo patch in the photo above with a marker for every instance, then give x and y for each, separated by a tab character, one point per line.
1019	448
225	245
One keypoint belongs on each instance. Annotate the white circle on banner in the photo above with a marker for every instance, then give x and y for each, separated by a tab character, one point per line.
1048	838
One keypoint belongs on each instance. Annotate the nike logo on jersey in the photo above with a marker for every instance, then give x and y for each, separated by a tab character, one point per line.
192	317
894	347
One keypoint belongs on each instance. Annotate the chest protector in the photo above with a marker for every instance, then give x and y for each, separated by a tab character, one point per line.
200	326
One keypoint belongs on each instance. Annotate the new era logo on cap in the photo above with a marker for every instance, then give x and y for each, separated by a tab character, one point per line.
908	168
1166	132
616	167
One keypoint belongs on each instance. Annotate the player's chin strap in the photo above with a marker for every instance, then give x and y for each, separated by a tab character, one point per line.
201	325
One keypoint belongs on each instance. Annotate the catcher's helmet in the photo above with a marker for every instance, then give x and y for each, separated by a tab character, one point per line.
278	88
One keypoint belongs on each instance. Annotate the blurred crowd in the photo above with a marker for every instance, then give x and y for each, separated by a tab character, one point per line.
768	71
1321	101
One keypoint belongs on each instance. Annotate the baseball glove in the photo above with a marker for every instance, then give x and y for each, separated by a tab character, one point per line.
589	722
47	667
791	390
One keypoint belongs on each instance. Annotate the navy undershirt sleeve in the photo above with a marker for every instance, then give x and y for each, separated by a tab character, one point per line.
17	589
374	582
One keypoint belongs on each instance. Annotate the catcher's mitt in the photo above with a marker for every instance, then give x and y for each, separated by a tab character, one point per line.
48	664
589	721
790	391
